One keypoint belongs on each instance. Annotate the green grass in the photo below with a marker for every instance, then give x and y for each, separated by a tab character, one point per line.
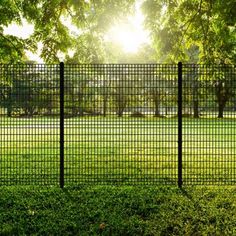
104	210
117	150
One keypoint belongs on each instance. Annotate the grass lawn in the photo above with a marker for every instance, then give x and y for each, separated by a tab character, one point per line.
117	151
107	210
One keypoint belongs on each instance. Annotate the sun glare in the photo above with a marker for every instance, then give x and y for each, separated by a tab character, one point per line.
131	34
129	39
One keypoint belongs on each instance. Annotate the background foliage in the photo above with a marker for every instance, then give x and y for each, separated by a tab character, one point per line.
191	31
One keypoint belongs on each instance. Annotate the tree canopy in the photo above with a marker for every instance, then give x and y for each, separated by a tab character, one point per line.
91	17
196	30
191	31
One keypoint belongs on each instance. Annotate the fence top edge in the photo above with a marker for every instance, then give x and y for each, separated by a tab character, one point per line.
116	64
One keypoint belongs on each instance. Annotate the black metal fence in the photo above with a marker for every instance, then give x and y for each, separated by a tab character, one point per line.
117	124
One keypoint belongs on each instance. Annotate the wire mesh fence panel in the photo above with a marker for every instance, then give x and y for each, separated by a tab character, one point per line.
120	124
209	127
29	124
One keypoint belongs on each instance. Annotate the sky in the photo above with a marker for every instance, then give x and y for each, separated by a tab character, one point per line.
130	34
24	31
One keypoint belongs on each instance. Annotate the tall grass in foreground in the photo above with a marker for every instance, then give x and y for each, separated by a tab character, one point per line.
107	210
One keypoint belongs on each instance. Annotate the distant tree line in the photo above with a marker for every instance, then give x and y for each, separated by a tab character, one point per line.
29	90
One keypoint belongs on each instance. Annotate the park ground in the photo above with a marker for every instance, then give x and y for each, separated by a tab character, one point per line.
115	150
109	210
114	208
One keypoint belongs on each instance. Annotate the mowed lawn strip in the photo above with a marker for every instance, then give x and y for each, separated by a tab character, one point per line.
117	150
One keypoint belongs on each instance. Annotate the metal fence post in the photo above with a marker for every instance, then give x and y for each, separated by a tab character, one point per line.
180	179
61	124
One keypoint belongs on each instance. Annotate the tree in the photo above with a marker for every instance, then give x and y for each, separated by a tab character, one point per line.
6	90
121	94
178	26
195	31
50	84
124	87
224	83
11	47
159	85
191	89
104	88
76	91
92	18
105	92
29	88
5	101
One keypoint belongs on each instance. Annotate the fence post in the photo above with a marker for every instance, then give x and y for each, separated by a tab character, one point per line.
61	124
180	179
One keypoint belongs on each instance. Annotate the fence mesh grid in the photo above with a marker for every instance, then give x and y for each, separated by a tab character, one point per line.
29	128
209	127
120	124
110	132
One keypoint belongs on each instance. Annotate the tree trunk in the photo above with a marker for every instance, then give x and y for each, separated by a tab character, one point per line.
9	104
121	109
222	97
120	113
157	111
195	96
81	111
195	109
105	100
74	111
49	109
121	105
9	111
221	110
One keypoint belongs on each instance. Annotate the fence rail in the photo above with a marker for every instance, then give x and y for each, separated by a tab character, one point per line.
117	124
